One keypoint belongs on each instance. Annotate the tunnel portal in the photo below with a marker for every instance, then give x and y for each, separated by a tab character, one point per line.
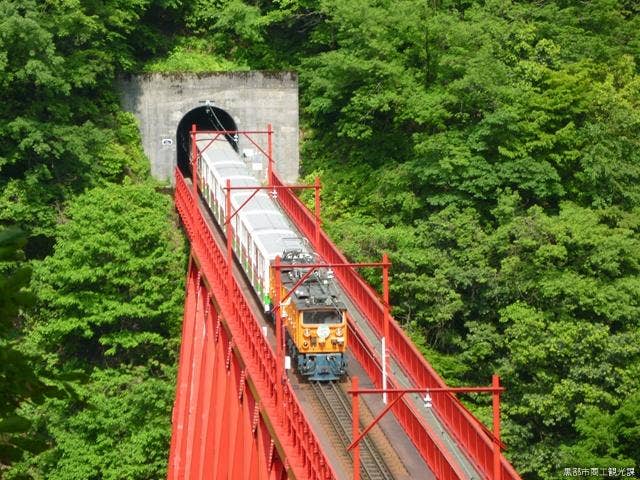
206	117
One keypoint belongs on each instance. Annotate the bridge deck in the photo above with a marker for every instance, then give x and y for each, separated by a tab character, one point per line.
436	426
403	459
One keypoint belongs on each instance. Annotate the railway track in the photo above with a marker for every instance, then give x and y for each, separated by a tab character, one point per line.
336	404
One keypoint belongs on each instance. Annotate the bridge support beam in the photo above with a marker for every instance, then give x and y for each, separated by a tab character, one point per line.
218	429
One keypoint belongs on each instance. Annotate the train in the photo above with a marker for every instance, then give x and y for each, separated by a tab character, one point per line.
315	319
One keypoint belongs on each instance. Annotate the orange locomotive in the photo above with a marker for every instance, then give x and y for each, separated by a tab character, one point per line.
315	319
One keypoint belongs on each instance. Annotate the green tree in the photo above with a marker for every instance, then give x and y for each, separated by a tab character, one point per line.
566	339
117	428
21	384
108	313
108	293
60	128
607	439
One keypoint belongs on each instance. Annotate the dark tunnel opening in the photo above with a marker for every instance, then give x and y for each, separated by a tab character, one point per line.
205	118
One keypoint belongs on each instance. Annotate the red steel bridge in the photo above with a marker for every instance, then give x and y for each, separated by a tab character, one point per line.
239	415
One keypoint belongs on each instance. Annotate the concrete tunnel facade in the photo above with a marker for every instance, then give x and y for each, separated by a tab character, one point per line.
167	105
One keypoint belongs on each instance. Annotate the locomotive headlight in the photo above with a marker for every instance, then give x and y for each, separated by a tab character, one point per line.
338	332
307	332
323	332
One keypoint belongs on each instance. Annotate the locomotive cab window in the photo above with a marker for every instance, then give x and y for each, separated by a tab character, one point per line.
321	317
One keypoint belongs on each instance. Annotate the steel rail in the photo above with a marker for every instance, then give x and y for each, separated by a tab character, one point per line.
336	405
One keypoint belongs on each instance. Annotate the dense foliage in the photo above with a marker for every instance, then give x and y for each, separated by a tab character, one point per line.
492	147
90	291
107	313
105	326
19	381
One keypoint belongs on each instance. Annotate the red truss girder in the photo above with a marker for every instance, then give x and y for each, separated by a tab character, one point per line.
227	423
218	431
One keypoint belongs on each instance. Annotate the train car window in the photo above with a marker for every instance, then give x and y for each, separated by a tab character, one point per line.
261	266
211	188
214	187
321	317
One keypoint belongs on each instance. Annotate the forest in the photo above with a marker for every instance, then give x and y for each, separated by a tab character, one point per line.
491	147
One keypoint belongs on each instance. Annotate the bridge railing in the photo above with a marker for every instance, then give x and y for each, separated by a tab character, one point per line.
460	423
301	447
441	463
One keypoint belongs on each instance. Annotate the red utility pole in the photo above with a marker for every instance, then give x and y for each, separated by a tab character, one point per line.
229	234
278	322
269	155
317	208
194	163
356	427
385	330
495	383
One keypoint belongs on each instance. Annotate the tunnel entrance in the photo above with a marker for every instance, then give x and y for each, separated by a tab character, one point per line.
206	117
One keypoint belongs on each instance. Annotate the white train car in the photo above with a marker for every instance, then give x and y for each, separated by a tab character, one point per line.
261	231
316	320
